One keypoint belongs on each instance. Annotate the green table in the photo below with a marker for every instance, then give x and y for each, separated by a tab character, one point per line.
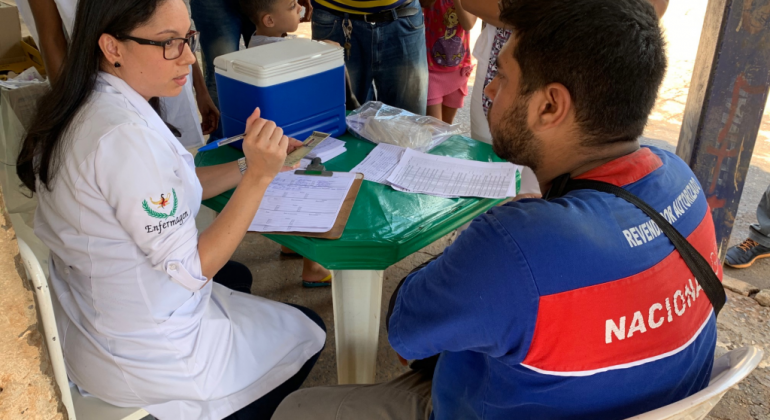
385	226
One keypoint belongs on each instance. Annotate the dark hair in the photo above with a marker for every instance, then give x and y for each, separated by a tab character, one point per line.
609	54
43	148
255	9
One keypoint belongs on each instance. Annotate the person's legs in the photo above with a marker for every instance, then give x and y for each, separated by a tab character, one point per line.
760	231
264	407
448	114
450	104
757	245
401	62
407	397
434	110
248	28
435	95
358	60
235	276
313	274
220	25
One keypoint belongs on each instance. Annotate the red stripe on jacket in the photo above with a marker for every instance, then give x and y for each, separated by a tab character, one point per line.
624	321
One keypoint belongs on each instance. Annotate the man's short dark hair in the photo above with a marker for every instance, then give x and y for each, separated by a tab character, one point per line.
609	54
255	9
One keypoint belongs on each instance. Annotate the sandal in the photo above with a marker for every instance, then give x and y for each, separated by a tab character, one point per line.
325	282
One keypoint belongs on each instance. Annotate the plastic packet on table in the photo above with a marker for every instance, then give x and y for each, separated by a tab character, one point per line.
380	123
28	77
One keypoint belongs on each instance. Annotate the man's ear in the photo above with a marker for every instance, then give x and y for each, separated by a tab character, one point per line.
554	105
267	20
110	48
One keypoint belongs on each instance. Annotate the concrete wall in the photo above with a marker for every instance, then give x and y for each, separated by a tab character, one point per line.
27	386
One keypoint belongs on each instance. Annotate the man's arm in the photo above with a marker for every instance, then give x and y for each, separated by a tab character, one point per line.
53	45
209	111
308	10
489	10
478	296
486	10
466	19
660	7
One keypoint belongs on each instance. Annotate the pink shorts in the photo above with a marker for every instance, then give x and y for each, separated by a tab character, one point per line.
448	88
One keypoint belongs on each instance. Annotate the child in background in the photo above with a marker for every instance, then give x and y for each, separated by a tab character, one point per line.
274	19
447	33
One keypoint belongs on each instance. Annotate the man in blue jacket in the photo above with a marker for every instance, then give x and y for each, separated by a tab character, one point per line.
578	307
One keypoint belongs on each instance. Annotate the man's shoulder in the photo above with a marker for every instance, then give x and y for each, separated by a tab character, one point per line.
589	237
530	219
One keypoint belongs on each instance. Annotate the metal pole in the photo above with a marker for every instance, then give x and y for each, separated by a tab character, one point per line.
724	109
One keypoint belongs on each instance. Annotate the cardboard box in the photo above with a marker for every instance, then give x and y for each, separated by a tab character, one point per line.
16	54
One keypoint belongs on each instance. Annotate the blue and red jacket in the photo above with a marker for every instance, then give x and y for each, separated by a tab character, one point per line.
574	308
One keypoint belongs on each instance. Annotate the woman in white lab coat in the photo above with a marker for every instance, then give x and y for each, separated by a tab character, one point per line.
51	24
141	324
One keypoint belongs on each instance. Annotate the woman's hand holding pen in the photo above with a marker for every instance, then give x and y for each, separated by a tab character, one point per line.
265	148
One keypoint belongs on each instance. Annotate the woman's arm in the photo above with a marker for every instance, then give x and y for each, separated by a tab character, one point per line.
265	149
218	242
53	45
467	20
217	179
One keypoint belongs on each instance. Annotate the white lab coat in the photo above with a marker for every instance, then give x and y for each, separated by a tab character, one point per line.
181	111
137	324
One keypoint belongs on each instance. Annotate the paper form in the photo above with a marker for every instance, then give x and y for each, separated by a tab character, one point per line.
325	147
380	162
302	203
451	177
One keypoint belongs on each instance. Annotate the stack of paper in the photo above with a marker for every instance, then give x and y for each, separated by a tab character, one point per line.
380	162
327	150
451	177
302	203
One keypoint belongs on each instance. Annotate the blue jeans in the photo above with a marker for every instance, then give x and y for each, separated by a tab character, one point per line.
760	231
390	55
221	25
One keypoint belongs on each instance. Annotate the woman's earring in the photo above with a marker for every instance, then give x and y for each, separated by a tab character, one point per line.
117	65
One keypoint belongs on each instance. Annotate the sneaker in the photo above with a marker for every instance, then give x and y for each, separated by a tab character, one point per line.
744	255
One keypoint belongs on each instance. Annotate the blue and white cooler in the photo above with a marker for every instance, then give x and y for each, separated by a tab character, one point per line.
298	83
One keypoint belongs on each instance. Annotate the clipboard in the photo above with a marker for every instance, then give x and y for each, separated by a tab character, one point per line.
316	169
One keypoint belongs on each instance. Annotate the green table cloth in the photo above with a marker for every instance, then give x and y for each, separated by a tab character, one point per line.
385	225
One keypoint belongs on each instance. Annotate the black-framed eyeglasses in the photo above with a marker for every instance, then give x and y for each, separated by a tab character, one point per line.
172	48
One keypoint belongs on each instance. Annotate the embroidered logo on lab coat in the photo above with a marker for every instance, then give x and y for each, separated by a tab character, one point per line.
162	204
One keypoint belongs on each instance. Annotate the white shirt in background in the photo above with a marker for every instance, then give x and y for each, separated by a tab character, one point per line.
479	123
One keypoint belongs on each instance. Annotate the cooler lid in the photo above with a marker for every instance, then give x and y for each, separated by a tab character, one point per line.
280	58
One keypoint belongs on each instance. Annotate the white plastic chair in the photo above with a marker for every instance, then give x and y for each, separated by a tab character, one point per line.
78	406
728	370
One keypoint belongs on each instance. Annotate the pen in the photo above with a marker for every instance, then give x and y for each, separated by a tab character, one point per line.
221	142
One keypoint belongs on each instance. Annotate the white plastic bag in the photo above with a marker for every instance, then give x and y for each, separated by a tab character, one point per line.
17	107
28	77
380	123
